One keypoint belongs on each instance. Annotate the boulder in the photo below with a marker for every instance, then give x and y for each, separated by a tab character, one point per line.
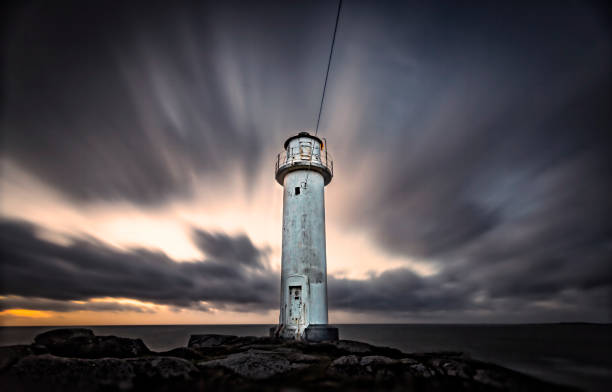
210	340
182	352
409	361
377	360
255	364
456	369
163	369
489	378
360	348
371	367
58	337
380	368
299	357
11	354
345	366
420	370
353	347
347	360
53	373
82	343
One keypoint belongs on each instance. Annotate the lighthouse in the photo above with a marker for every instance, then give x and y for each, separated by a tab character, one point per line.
304	168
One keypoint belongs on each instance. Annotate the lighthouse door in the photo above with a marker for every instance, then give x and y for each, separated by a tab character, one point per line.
295	309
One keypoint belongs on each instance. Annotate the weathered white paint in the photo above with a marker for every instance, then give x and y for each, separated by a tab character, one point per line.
304	266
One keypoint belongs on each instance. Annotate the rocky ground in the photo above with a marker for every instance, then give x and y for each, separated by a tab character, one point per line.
77	360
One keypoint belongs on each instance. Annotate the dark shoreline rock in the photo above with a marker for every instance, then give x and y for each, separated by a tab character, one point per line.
76	360
82	343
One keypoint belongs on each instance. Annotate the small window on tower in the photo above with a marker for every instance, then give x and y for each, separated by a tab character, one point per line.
297	190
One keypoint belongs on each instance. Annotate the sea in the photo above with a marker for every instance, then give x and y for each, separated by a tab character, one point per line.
574	354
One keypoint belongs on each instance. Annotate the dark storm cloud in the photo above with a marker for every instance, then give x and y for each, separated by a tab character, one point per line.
36	268
398	290
38	274
489	104
129	101
491	157
232	250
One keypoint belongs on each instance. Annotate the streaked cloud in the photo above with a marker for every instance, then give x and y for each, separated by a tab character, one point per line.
86	269
471	149
87	275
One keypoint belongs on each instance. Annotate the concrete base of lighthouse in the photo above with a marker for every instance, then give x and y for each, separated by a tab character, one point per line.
313	333
320	333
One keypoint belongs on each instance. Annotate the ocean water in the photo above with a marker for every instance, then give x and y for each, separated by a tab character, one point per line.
571	354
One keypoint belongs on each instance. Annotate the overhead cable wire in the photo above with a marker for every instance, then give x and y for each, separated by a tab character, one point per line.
331	52
329	60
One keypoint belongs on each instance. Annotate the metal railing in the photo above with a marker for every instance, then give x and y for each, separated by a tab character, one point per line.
305	153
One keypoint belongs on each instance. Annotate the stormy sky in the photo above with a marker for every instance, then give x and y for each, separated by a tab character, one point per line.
471	145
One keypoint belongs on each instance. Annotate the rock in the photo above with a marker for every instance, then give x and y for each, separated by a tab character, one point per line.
409	361
488	378
57	337
360	348
53	373
300	358
375	368
353	347
11	354
210	340
69	374
112	346
266	344
252	341
182	352
348	360
100	347
456	369
39	349
255	364
351	365
379	366
377	360
345	366
419	370
163	368
82	343
76	359
275	348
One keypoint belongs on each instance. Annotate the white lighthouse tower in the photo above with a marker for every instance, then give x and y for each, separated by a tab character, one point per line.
303	169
